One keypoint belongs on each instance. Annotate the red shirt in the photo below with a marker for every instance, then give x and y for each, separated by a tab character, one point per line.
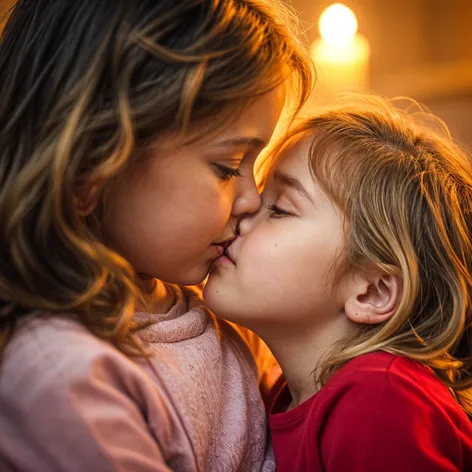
379	413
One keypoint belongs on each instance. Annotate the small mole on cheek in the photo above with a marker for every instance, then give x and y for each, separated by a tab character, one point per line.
276	245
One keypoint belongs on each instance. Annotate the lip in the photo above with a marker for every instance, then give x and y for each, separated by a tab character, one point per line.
220	250
226	258
223	260
223	245
228	255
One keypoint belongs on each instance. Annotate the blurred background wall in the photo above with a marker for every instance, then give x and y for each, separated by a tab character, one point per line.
418	48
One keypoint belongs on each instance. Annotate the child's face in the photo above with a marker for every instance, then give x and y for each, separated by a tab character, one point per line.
282	259
167	215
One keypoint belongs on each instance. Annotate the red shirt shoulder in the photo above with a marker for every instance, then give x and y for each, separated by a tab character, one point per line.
380	412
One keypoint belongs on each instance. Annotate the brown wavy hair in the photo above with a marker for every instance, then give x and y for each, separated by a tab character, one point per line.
86	86
405	191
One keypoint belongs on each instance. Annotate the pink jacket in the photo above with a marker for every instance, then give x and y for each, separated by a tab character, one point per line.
71	402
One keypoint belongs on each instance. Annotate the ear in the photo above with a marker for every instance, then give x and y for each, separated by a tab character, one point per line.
373	297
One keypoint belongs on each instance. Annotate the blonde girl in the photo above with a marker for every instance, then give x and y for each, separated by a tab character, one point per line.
357	272
128	136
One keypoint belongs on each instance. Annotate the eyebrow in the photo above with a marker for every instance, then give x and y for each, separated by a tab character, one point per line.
292	182
242	141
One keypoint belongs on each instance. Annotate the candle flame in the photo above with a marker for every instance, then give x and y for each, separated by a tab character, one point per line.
338	24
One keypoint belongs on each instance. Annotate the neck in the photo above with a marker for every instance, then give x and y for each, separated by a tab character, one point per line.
299	352
156	297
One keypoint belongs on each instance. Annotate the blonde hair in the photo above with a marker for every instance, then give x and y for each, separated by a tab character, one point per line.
86	86
405	190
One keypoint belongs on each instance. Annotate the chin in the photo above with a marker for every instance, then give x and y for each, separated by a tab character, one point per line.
214	299
192	277
221	303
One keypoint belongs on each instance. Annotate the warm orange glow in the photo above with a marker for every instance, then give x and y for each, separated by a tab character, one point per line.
338	24
341	54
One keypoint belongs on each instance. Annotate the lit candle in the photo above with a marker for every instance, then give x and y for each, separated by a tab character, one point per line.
340	54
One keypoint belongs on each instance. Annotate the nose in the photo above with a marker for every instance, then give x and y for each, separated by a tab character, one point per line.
246	223
248	199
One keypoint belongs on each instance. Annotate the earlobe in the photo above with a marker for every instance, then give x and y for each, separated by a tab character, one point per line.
373	299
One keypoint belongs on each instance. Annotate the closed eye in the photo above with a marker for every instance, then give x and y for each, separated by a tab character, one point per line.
227	173
276	212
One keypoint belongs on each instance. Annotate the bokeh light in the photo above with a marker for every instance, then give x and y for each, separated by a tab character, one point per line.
338	24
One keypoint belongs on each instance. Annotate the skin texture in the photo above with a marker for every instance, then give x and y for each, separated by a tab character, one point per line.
168	214
282	255
276	277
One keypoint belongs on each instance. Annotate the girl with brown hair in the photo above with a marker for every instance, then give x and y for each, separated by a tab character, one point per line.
128	136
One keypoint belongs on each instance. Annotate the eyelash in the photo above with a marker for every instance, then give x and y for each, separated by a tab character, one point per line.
227	173
276	212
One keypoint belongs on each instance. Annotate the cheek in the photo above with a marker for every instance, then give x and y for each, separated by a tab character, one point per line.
200	206
211	208
267	257
284	263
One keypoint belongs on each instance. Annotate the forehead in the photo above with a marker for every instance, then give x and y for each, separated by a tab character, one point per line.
253	125
294	160
259	118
